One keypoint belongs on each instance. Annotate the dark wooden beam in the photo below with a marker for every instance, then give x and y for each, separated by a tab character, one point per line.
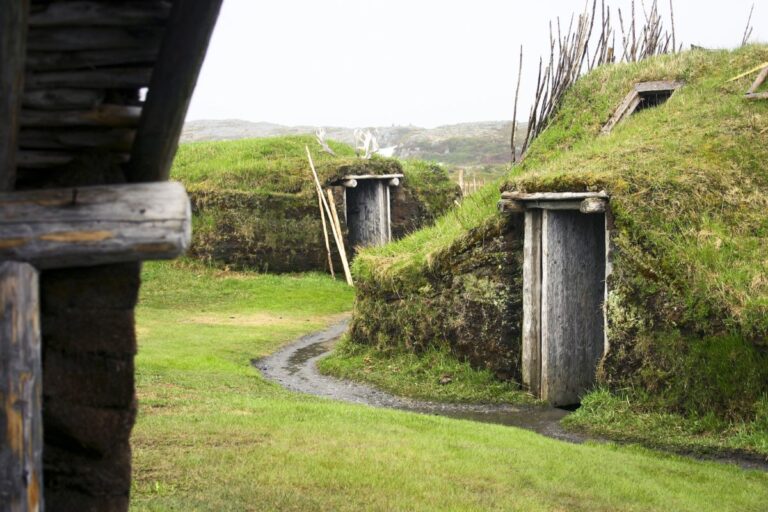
99	14
181	55
13	39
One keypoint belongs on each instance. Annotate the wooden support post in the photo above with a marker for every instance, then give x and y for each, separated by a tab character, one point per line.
325	236
13	39
21	422
174	77
340	239
531	370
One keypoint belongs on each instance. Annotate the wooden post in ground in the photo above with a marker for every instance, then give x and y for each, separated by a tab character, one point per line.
325	237
337	236
337	227
21	437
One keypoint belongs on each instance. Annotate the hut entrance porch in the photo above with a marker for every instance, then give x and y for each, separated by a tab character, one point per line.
564	274
367	209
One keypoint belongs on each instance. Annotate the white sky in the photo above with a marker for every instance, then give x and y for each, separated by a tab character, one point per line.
424	62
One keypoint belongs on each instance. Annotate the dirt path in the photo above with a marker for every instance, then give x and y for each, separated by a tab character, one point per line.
295	368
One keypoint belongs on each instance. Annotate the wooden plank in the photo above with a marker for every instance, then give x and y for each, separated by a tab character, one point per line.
658	85
88	59
112	116
340	238
13	30
108	78
371	176
62	99
553	205
21	438
573	273
95	225
531	370
42	159
69	39
189	27
550	196
115	139
99	14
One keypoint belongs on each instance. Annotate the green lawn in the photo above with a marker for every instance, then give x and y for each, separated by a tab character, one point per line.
213	435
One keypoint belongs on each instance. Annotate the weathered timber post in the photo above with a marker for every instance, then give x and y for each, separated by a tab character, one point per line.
21	452
60	228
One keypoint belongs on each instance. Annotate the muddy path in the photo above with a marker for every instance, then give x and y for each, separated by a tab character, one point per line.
295	367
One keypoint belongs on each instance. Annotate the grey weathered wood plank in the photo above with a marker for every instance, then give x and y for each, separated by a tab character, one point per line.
111	116
21	438
182	52
67	14
95	225
573	274
62	99
371	176
550	196
13	30
531	371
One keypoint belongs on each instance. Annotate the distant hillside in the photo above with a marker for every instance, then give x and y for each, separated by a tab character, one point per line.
465	144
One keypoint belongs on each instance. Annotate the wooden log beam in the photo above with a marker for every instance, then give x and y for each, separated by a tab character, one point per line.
593	205
187	35
99	14
95	225
92	38
63	99
108	78
394	182
115	139
112	116
550	196
13	35
511	206
88	59
21	438
349	183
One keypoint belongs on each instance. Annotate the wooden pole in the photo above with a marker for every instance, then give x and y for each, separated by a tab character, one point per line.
325	237
461	182
336	235
13	37
337	227
21	438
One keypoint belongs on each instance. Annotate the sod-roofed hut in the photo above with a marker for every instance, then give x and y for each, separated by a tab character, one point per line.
91	93
653	252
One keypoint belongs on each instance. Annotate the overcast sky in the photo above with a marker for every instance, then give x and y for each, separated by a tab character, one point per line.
362	63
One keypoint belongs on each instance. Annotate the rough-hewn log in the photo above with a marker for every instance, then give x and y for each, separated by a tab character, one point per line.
186	40
62	99
511	206
593	205
21	438
88	59
92	38
95	225
61	14
349	183
112	116
13	30
115	139
43	159
108	78
372	176
394	182
550	196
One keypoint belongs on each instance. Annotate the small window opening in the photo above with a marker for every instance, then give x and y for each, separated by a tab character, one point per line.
643	96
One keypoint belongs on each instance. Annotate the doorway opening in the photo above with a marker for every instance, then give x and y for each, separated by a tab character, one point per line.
367	208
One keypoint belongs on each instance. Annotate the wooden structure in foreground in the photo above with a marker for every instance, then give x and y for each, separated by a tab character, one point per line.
565	266
74	129
367	208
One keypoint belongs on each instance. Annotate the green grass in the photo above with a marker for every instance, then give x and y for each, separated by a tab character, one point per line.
213	435
435	374
619	417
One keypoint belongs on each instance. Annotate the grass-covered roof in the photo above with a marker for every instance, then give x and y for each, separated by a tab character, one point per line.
688	182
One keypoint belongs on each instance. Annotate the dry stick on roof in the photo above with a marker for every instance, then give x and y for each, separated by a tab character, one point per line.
325	237
337	236
748	28
672	20
514	110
